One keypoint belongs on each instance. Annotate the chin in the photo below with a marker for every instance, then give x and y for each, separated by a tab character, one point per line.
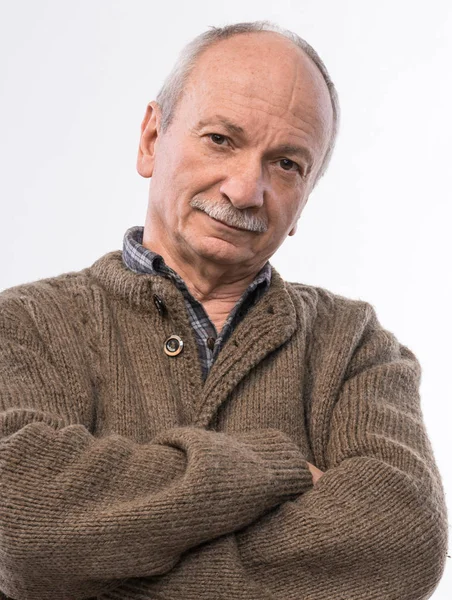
221	251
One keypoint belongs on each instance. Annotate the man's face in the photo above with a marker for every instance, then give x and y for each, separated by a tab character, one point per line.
248	136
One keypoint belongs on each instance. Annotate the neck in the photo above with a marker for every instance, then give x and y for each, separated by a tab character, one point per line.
205	280
211	283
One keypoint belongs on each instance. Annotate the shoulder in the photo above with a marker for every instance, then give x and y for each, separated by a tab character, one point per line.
59	297
351	327
328	306
44	291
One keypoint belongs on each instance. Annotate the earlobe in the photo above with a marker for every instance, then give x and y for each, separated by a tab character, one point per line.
149	134
294	229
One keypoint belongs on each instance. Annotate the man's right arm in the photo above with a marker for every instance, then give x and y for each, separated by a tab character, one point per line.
79	513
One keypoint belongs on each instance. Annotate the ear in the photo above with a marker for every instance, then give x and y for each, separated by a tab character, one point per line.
150	128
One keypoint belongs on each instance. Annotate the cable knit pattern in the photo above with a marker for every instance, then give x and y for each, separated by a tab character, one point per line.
125	476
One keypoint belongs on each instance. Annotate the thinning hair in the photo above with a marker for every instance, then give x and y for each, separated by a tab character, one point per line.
173	86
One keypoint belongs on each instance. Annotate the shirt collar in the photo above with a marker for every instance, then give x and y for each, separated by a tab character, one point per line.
142	260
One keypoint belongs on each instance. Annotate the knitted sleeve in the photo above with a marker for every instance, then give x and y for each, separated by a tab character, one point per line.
78	513
375	525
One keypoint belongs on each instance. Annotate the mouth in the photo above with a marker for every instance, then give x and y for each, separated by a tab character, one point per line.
226	224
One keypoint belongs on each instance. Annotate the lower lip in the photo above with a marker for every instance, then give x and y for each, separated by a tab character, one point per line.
224	225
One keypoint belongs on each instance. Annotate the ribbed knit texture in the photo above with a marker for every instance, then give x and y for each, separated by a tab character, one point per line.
124	476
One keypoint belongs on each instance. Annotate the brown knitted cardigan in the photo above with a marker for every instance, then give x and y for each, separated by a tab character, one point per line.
123	476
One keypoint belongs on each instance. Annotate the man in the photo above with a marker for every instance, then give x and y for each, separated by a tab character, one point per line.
178	422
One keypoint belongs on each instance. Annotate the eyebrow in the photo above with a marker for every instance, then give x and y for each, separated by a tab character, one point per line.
231	127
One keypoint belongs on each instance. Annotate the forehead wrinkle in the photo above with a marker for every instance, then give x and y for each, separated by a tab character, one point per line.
281	108
299	116
288	95
260	89
301	123
294	90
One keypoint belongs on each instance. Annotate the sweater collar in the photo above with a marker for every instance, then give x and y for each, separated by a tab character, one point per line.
268	324
143	260
138	289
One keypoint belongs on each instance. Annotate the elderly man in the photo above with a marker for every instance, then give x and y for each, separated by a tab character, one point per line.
180	423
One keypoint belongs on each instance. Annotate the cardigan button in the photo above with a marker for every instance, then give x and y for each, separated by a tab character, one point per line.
173	345
159	304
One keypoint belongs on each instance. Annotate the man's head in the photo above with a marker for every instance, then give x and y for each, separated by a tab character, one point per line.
240	134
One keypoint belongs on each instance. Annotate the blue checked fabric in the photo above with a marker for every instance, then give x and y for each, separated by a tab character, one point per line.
141	260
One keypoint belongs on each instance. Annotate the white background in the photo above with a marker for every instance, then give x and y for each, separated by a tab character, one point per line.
75	78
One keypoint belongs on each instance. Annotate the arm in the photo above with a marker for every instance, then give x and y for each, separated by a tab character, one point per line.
374	526
78	514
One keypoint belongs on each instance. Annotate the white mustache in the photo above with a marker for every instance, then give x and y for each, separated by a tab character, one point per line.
230	216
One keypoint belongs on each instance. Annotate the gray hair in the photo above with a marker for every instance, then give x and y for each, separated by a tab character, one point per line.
172	88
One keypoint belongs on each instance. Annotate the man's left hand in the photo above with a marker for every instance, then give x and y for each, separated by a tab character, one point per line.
316	473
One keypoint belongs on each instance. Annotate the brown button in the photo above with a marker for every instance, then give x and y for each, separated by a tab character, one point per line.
210	343
173	345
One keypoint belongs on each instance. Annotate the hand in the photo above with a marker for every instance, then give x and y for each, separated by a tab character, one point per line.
316	473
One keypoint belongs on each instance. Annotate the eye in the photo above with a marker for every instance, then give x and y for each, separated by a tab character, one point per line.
217	138
289	165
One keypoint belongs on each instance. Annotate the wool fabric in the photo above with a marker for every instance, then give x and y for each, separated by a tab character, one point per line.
125	476
140	259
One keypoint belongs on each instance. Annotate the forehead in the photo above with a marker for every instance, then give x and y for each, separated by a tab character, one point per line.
264	78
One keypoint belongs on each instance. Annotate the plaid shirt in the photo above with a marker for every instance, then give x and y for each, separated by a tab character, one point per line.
141	260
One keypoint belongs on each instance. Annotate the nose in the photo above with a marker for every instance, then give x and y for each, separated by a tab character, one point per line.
246	186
